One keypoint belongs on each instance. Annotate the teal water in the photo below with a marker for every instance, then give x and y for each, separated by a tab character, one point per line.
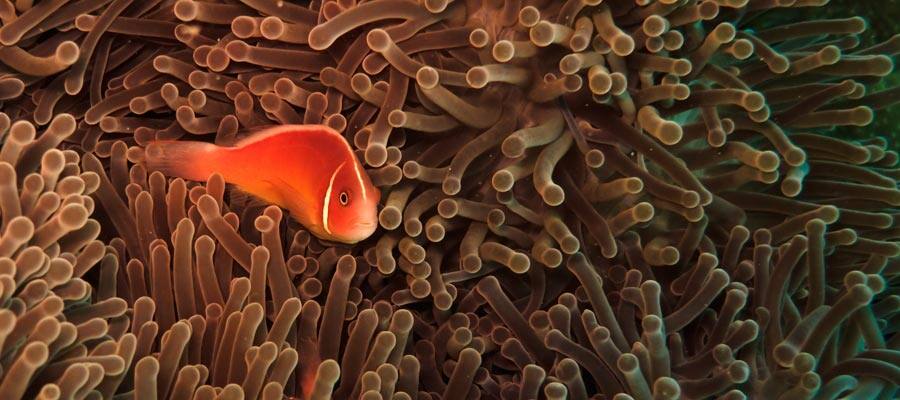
883	17
884	21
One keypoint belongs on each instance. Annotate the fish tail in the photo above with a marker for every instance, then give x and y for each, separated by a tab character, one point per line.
194	161
309	383
308	378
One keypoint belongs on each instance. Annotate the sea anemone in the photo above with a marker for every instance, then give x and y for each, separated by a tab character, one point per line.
584	199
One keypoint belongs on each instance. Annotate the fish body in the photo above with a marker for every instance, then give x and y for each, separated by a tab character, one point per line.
310	170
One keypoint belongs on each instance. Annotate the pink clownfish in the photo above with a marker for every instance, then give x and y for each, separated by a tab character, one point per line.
310	170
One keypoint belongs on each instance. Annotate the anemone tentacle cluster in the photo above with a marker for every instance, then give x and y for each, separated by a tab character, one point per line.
582	199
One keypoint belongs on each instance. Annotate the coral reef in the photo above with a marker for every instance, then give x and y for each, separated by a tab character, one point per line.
583	199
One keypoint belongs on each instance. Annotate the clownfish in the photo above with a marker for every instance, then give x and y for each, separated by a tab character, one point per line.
310	170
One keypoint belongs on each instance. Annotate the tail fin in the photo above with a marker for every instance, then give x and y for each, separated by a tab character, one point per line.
194	161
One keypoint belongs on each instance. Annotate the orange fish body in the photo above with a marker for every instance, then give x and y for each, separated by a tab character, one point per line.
310	170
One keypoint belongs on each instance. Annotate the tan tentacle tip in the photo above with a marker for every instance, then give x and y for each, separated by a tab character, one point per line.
682	67
162	63
572	83
20	227
397	118
513	146
479	38
862	116
741	49
541	34
35	354
379	40
412	169
67	52
779	64
502	180
22	132
427	77
63	124
376	154
269	102
451	186
320	37
186	10
328	76
623	45
857	24
791	187
359	82
238	50
556	391
244	26
4	122
7	173
477	77
262	223
724	32
85	22
185	115
9	37
795	156
436	6
503	51
337	122
553	195
73	216
330	10
643	212
196	99
690	199
14	87
594	158
135	155
830	54
767	161
600	82
109	124
655	25
753	101
570	64
529	16
271	28
390	217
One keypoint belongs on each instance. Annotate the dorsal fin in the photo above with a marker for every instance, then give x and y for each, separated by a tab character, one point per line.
259	133
246	133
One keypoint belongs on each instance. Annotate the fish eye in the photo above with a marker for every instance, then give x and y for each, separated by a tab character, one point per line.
344	198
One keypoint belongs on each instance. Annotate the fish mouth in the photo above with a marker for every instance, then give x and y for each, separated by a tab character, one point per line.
367	227
361	231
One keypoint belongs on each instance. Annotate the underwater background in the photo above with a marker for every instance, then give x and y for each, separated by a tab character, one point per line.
580	199
882	18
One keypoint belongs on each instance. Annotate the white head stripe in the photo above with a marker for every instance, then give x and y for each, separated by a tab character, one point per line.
359	179
327	201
